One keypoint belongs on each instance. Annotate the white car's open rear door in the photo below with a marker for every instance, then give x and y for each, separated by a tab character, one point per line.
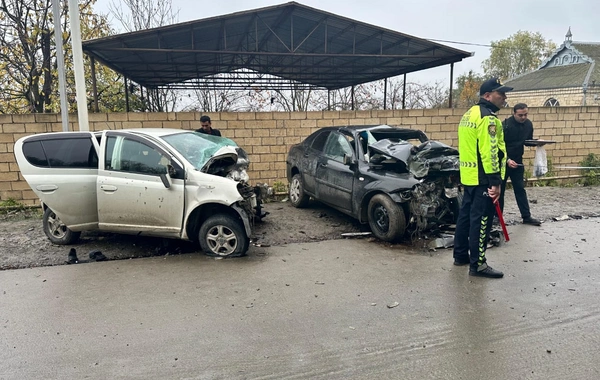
61	168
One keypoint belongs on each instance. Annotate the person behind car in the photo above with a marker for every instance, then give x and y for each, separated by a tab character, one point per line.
482	156
206	127
517	129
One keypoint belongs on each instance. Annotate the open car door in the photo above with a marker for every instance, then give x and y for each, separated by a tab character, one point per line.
61	169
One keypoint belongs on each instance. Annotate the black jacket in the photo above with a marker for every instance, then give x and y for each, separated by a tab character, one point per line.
515	135
214	132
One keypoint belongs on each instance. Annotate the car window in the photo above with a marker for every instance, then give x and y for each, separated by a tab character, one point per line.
337	145
124	154
318	143
74	153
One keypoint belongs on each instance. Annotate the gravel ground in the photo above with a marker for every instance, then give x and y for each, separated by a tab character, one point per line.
23	243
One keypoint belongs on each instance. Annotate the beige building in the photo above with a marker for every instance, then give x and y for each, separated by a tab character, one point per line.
570	77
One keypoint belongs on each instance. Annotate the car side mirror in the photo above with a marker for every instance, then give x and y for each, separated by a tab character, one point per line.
347	159
165	176
166	180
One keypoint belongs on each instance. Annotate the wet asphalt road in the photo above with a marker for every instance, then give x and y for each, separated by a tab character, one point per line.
313	311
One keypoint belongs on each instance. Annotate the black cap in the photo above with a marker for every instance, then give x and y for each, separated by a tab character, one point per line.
493	84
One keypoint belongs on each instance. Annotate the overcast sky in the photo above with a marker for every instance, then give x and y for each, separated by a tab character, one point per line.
478	22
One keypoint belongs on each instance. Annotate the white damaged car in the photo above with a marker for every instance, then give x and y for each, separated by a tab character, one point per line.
168	183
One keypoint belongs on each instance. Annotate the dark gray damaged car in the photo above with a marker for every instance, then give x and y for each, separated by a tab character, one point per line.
394	179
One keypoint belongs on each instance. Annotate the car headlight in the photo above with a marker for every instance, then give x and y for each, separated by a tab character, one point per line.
238	175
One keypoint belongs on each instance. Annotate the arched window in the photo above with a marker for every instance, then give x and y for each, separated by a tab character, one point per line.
565	59
575	59
557	62
551	103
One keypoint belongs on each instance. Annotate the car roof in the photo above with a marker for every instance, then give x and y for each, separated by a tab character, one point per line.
154	132
359	128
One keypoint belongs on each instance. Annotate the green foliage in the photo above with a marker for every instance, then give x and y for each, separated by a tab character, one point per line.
9	203
591	176
520	53
279	187
28	65
467	89
10	206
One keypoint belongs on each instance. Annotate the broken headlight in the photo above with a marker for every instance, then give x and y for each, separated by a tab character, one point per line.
238	175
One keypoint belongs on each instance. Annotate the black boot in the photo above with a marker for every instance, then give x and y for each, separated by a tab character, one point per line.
486	271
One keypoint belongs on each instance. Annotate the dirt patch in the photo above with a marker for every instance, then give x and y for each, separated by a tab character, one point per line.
23	243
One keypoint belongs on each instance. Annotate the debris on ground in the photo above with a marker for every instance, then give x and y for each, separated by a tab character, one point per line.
561	218
443	241
356	234
97	256
72	257
392	305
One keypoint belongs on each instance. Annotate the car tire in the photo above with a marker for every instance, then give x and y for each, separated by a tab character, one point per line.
57	231
297	196
223	235
386	218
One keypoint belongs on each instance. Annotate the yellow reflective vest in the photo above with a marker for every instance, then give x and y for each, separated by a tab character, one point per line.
481	147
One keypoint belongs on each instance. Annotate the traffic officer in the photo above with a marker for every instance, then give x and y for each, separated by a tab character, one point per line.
482	156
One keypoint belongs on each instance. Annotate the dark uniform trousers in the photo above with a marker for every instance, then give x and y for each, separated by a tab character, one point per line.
516	177
473	226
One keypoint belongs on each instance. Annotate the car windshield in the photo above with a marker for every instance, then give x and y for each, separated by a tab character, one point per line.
197	147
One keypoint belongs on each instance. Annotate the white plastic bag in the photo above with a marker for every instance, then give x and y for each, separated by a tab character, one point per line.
540	163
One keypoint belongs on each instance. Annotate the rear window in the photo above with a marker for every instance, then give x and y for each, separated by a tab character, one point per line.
76	153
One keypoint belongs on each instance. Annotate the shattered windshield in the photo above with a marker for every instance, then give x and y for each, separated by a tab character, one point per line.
197	147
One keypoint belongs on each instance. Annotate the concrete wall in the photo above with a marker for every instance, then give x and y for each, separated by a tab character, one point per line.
267	136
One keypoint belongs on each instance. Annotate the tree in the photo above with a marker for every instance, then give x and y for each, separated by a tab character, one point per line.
517	54
467	89
28	66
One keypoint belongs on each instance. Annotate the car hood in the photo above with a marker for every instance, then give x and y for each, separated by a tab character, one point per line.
225	156
430	156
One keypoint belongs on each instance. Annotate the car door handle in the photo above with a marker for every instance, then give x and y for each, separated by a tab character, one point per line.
46	188
108	188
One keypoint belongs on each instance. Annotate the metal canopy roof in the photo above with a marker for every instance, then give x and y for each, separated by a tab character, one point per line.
275	46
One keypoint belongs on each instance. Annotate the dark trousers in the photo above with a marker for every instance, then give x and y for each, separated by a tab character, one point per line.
516	177
473	226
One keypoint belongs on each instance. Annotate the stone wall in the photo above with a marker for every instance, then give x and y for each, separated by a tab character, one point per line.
267	136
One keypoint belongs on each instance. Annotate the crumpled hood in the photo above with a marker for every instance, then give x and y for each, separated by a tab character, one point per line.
226	156
420	160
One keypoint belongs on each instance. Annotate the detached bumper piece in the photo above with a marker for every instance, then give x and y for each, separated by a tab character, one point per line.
262	192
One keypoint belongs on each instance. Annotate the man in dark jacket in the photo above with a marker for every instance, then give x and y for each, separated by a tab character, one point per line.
517	129
206	127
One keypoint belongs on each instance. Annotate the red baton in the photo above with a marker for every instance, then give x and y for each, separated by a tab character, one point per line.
501	219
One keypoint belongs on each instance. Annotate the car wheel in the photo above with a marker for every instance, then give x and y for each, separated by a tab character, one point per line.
57	231
223	235
297	196
386	218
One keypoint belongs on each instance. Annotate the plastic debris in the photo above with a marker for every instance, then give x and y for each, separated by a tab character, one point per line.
356	234
444	241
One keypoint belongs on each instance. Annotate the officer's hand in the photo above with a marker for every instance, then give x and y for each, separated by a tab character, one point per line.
512	164
494	192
